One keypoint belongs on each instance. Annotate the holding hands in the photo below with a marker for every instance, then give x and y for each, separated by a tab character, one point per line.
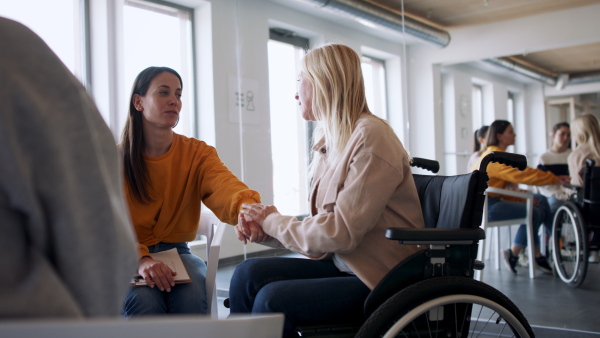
250	220
564	179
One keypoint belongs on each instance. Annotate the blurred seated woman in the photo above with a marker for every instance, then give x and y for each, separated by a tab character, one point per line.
587	135
361	185
558	154
501	135
478	146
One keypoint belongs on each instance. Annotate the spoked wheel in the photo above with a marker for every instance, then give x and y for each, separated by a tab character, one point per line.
569	245
447	307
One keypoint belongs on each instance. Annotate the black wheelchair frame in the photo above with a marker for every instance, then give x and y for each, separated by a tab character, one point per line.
575	224
432	293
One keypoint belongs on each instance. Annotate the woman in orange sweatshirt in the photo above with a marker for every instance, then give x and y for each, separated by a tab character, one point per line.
166	177
501	135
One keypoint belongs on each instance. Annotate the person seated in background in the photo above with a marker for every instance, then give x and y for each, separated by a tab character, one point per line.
361	185
67	248
167	176
478	146
500	136
586	132
587	135
555	160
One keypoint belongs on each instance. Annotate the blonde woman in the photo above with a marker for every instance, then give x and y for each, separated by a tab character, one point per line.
586	132
361	185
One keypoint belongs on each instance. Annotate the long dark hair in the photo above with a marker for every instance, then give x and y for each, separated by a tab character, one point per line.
497	127
479	133
132	138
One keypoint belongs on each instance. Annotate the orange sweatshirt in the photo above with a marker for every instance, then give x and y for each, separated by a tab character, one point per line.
190	172
501	175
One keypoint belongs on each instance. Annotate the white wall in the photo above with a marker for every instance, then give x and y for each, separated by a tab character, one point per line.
233	35
525	35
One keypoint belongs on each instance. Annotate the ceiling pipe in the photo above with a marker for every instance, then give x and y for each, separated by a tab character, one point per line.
546	77
580	78
371	14
533	73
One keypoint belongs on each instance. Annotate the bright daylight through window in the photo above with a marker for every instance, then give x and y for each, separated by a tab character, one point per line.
166	41
289	142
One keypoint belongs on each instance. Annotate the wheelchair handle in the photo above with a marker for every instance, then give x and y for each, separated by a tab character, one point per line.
431	165
514	160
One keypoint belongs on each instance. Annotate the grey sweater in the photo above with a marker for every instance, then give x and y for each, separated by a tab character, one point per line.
66	242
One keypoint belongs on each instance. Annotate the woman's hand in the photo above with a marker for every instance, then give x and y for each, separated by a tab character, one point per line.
156	272
258	212
564	179
248	230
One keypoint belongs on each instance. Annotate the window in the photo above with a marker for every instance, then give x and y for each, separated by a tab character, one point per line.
477	106
159	35
375	85
289	132
61	30
510	108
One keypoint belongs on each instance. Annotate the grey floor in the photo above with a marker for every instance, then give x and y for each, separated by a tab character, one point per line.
553	308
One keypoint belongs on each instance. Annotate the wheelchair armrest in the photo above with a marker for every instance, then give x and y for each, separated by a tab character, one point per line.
506	192
435	236
572	187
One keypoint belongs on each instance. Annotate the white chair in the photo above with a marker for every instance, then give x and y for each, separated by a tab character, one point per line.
485	224
213	229
268	326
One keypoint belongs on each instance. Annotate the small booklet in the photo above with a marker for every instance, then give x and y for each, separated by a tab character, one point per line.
172	260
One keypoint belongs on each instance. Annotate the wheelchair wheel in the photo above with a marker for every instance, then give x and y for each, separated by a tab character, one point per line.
447	307
569	244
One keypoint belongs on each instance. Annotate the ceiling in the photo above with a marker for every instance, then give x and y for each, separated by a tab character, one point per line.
581	60
456	13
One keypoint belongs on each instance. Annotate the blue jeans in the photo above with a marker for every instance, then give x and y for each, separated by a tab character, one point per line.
184	298
308	292
499	210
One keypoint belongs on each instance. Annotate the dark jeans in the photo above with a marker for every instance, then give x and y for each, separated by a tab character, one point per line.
188	298
308	292
502	210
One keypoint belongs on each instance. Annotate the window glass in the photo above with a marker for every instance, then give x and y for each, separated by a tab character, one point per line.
56	22
375	85
477	106
510	108
289	140
158	35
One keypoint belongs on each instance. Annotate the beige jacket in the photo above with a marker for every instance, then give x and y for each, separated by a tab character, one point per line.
353	202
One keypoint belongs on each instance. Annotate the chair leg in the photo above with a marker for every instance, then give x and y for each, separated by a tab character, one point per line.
497	247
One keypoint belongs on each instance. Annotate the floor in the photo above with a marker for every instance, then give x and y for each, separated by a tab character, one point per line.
553	308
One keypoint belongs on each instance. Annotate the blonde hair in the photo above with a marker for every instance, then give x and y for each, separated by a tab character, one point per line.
338	94
586	130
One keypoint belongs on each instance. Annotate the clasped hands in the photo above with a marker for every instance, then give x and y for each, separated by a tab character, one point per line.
250	221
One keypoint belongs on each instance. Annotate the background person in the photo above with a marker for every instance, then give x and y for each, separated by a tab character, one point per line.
362	184
586	132
587	135
558	154
66	244
167	176
478	146
500	136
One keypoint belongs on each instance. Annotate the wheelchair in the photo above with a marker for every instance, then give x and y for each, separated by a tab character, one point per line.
432	293
576	228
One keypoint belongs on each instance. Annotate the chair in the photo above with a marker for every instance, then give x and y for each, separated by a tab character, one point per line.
213	229
268	326
528	221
